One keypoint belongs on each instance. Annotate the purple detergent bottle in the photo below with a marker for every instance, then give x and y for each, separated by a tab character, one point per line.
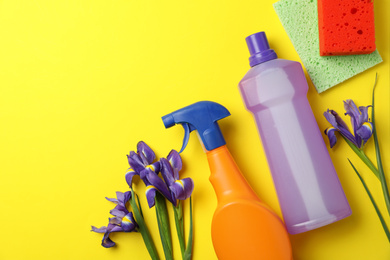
307	185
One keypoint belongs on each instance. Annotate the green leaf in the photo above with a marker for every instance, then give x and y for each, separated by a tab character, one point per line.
163	225
382	177
363	157
143	229
140	209
178	212
373	203
188	252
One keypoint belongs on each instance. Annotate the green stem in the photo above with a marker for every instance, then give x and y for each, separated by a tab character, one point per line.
385	228
188	252
178	212
363	157
382	177
163	225
143	229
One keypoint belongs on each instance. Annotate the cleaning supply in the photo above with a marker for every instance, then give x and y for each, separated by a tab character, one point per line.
243	227
300	21
274	90
346	27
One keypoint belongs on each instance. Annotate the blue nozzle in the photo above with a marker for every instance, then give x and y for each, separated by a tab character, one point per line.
201	116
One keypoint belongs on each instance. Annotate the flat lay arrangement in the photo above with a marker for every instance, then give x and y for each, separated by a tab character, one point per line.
178	130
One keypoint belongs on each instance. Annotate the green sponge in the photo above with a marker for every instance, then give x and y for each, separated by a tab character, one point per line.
300	20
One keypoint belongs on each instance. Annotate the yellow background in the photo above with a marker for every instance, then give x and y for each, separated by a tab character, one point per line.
81	82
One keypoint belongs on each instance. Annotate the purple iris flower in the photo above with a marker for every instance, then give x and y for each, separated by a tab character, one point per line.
123	220
170	186
362	127
141	161
153	184
181	189
141	164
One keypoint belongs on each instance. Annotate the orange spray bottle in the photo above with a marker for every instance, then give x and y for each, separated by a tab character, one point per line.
243	227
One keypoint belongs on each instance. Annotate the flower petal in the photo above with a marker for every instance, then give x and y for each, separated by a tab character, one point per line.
330	132
123	198
114	228
365	131
112	200
335	120
115	221
130	173
150	195
363	115
143	176
159	184
167	171
183	188
128	223
352	110
122	208
330	116
102	229
175	160
147	155
106	241
135	162
154	167
117	213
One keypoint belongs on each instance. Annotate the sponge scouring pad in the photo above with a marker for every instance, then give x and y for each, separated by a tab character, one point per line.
300	20
346	27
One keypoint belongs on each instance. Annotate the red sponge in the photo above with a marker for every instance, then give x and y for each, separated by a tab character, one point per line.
346	27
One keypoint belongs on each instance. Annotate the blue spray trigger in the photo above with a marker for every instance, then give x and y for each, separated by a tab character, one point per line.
187	130
201	116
